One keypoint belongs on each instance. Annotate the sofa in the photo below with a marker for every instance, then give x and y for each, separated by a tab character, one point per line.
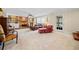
37	26
46	29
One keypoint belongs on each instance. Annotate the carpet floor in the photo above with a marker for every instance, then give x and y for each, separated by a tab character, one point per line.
32	40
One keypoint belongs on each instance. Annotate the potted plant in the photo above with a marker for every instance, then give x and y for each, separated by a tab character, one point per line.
1	12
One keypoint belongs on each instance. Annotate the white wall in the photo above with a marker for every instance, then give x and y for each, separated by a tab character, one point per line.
52	20
70	20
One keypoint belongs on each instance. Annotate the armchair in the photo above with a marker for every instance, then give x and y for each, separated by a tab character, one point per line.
76	35
4	38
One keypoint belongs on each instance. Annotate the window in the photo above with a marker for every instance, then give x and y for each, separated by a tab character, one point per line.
41	20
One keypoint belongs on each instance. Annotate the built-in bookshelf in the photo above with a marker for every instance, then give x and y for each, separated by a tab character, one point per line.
18	21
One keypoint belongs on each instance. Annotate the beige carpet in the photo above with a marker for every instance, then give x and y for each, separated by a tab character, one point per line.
32	40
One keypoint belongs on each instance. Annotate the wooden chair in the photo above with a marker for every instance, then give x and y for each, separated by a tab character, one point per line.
4	38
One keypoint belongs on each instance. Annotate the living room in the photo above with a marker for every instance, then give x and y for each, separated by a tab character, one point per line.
32	25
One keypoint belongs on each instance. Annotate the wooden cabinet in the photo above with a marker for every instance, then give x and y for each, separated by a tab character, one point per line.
3	22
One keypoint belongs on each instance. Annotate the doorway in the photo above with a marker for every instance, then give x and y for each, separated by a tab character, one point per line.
59	23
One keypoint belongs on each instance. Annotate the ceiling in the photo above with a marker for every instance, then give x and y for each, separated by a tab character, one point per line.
35	11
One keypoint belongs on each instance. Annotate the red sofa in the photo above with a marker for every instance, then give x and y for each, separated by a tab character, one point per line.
46	29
